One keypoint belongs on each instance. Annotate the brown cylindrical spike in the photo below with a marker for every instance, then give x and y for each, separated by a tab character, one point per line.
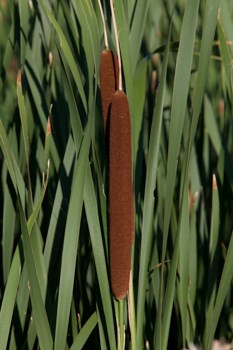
121	221
109	73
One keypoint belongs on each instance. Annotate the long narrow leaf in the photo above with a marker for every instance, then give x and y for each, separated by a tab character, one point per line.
39	312
84	333
71	240
149	198
9	297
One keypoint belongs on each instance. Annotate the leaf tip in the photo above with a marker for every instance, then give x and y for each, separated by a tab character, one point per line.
221	107
19	78
48	129
214	182
50	58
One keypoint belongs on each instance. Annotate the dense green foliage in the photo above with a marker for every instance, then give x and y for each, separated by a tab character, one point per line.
54	260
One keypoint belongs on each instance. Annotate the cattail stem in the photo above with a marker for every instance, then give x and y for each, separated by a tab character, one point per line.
104	25
117	44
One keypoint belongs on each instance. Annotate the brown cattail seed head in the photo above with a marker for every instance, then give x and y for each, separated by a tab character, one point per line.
109	72
120	194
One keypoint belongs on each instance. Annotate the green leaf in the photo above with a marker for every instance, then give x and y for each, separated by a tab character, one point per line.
226	57
211	126
214	246
8	302
224	285
23	116
5	146
99	256
85	332
137	30
34	214
182	229
8	227
179	101
140	85
123	33
209	26
34	82
90	34
38	308
67	52
12	166
24	27
71	240
149	198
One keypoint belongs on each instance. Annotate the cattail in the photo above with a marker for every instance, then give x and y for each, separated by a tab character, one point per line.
109	71
121	220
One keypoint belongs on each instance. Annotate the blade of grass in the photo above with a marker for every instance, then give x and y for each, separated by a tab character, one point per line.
209	26
9	297
183	228
71	239
24	27
53	240
22	300
67	53
226	56
90	35
8	227
16	176
184	253
210	17
224	285
24	123
34	214
85	332
137	30
179	99
39	312
70	24
35	83
9	47
178	110
211	126
149	198
99	256
193	251
23	116
213	261
6	149
123	33
140	84
65	173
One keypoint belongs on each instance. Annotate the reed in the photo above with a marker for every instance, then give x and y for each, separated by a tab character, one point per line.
109	72
120	194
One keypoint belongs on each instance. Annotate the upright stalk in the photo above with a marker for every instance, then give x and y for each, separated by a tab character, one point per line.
117	44
104	25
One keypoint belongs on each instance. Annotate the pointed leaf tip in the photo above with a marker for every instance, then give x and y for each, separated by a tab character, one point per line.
48	129
214	182
19	77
